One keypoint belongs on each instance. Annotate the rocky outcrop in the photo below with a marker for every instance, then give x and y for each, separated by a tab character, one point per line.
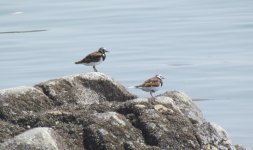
92	111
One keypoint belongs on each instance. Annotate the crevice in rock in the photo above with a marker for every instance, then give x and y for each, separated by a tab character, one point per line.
198	138
47	93
2	116
133	117
91	141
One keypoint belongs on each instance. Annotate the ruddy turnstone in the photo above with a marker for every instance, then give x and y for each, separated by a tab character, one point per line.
152	84
94	58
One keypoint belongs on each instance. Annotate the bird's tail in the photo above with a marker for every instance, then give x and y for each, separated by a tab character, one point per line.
78	62
132	87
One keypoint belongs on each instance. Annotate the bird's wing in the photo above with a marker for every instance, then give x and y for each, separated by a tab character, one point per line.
155	82
92	57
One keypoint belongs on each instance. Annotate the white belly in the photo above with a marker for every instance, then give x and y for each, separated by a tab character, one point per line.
148	89
94	63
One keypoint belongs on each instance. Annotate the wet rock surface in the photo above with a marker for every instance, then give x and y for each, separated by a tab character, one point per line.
93	112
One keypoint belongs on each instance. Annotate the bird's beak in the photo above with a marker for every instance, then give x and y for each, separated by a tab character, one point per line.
106	51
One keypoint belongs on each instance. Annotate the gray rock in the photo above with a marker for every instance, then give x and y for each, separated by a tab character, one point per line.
35	139
212	136
8	130
209	135
186	106
163	125
111	130
21	101
92	111
84	89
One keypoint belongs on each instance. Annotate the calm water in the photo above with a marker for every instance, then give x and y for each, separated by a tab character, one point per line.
204	48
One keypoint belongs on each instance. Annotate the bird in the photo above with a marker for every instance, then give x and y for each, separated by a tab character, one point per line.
152	84
94	58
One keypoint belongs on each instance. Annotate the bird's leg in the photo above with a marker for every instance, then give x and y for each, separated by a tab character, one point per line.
151	93
95	69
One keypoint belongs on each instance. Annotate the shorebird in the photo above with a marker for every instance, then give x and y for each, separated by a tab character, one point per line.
152	84
94	58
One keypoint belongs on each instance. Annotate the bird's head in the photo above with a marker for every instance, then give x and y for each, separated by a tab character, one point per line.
102	50
160	76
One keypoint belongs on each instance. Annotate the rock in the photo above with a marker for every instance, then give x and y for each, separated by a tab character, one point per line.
21	101
161	108
212	136
239	147
162	125
92	111
111	130
8	130
35	139
84	89
186	106
209	135
140	106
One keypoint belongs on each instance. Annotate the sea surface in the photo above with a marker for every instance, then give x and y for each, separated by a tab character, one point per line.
204	48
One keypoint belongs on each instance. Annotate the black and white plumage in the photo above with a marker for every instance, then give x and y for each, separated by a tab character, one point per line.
94	58
152	84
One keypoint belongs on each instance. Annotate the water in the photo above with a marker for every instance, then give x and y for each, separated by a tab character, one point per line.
202	47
